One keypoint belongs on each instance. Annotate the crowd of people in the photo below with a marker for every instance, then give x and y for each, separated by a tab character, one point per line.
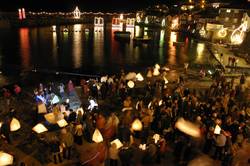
157	105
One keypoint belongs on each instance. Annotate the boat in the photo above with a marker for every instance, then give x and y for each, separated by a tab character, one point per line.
122	34
144	39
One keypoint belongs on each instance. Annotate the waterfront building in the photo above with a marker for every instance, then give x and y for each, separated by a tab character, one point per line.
230	26
151	18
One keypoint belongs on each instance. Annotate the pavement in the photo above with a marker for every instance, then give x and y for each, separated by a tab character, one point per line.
224	60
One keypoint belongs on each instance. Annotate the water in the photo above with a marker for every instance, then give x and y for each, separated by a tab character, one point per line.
94	51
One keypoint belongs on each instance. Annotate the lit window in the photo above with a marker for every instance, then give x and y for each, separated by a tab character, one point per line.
235	20
236	11
228	10
227	18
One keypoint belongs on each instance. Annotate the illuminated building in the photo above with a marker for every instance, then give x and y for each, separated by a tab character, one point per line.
77	13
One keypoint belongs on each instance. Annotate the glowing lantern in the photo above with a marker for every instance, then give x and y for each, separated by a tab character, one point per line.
104	79
14	125
165	80
137	125
142	146
92	104
217	129
118	143
131	84
187	127
149	105
97	136
67	100
149	74
139	77
1	123
62	123
222	32
5	159
156	72
39	128
156	137
160	102
157	66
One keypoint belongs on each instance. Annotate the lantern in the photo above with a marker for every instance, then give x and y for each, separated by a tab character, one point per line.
14	125
156	72
165	80
156	137
137	125
1	123
217	129
157	66
142	146
39	128
139	77
5	159
50	117
67	100
97	136
187	127
160	102
131	84
118	143
62	123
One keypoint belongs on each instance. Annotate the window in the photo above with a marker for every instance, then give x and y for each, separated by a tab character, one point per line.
228	10
226	19
236	11
235	20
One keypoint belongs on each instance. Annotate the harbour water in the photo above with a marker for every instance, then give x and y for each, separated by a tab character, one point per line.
87	49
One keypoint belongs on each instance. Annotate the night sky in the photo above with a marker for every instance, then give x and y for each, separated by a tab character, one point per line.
68	5
86	5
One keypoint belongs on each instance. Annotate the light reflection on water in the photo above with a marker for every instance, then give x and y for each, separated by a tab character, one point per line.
89	49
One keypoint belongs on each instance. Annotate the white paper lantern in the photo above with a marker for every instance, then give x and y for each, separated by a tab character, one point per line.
62	123
104	79
14	125
42	108
217	129
149	74
39	128
160	102
142	146
118	143
156	72
139	77
6	159
165	80
157	66
97	136
187	127
137	125
131	84
156	137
